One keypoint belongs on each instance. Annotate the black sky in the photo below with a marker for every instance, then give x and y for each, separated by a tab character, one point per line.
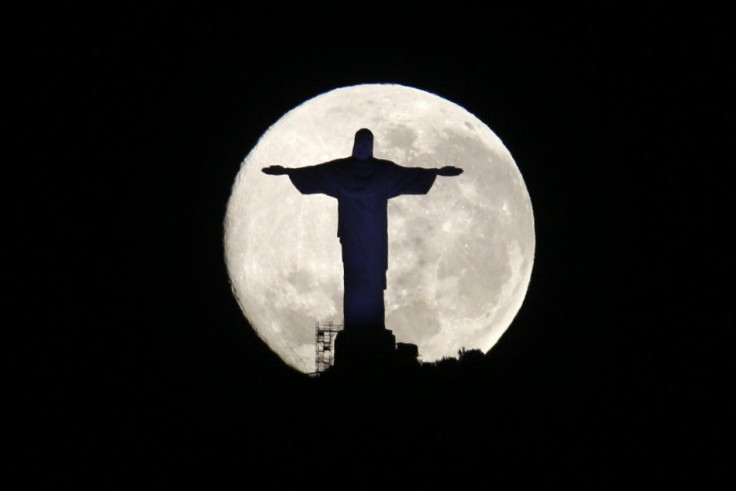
129	358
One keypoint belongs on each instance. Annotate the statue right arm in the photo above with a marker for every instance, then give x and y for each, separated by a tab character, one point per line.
311	179
275	170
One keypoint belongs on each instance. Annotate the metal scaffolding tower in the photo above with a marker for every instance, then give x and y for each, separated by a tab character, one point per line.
325	333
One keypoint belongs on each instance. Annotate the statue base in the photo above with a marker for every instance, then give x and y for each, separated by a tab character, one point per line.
364	349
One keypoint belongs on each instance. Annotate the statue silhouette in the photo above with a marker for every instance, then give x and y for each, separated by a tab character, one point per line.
362	185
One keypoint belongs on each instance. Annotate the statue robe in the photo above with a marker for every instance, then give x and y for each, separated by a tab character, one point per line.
362	189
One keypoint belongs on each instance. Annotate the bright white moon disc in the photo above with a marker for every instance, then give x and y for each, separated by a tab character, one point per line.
460	257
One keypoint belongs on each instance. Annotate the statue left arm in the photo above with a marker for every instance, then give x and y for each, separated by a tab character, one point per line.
416	180
449	171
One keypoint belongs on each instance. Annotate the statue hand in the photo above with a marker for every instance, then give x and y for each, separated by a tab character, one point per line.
274	170
449	171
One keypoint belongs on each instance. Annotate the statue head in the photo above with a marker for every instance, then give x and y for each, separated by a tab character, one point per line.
363	145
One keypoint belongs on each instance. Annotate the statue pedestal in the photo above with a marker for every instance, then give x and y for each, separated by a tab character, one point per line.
364	349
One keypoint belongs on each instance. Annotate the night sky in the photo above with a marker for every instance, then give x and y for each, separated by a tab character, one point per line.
131	365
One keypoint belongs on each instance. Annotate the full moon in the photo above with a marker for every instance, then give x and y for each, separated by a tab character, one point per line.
460	257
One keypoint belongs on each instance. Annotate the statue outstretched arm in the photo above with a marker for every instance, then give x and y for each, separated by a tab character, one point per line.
275	170
311	179
449	170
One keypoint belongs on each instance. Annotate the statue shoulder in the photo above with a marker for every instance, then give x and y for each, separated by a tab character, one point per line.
326	166
386	163
336	163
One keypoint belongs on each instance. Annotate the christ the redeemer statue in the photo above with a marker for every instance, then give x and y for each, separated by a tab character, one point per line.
362	186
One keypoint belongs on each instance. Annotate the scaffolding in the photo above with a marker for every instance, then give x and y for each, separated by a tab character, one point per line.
325	333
